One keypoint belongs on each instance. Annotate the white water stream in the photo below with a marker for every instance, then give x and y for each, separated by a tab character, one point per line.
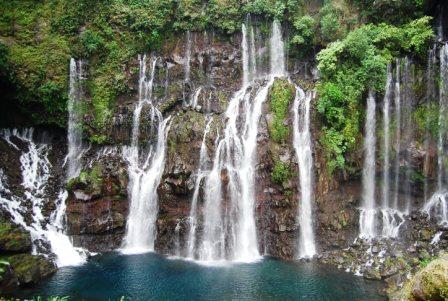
229	230
367	215
437	204
303	149
145	167
36	171
200	175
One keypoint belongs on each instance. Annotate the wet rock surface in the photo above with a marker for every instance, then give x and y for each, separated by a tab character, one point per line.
97	204
429	283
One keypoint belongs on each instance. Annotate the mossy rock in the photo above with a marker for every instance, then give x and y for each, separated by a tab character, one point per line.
13	239
88	180
430	283
280	96
31	269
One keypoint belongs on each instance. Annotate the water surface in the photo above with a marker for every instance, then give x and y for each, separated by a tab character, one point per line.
156	277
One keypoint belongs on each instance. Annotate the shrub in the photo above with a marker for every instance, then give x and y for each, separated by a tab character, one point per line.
281	172
349	68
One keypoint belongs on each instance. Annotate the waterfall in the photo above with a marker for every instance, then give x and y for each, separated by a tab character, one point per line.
443	103
229	227
277	51
386	141
194	101
253	55
245	55
36	171
408	98
430	96
200	174
303	149
367	215
249	55
76	94
187	61
177	239
392	218
397	103
438	203
60	242
145	170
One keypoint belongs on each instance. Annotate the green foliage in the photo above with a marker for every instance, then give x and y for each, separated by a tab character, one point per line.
425	261
394	12
281	172
305	31
352	66
427	118
281	94
272	8
190	15
91	41
91	178
331	27
41	79
110	33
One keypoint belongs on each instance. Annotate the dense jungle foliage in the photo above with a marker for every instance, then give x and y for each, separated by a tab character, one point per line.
354	41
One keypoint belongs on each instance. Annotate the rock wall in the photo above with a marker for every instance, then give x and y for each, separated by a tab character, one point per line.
98	202
97	209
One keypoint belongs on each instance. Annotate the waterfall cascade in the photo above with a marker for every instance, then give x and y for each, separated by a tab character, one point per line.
408	99
145	167
229	228
431	94
389	216
303	149
36	172
200	175
437	204
392	217
76	148
367	222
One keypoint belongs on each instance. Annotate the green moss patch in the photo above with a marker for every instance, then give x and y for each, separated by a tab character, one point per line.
280	96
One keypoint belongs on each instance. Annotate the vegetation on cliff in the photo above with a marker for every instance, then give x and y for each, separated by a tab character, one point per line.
37	38
350	67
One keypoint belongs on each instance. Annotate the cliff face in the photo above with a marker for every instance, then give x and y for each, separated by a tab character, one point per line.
97	208
98	201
